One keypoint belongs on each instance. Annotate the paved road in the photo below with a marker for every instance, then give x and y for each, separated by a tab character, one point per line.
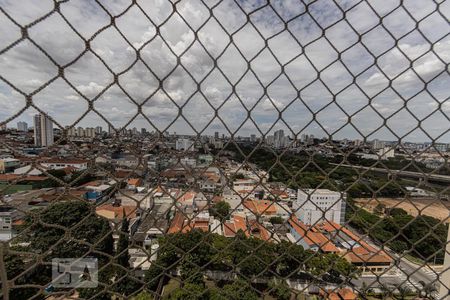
406	274
393	280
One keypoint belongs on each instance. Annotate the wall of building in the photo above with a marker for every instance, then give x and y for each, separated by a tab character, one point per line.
315	206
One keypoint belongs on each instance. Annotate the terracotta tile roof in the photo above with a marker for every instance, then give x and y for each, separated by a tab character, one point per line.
181	224
77	192
201	224
93	183
362	252
212	176
130	211
361	255
262	232
12	177
240	223
187	197
177	223
312	238
216	199
134	181
122	173
261	207
342	294
18	222
279	193
229	230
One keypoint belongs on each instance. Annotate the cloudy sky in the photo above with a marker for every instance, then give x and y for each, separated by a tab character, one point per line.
296	65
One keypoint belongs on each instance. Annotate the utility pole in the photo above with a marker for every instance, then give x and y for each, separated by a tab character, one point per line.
444	278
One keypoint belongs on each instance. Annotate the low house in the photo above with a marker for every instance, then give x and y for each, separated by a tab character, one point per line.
244	185
8	164
116	212
133	183
180	223
302	235
29	170
149	227
62	163
4	178
369	259
267	209
250	227
208	186
95	191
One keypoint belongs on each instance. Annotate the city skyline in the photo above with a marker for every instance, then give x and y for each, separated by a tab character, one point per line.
269	137
319	105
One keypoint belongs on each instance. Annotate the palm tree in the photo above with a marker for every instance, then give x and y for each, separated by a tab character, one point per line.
403	291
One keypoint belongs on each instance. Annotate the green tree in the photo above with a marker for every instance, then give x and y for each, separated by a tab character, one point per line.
190	291
276	220
190	272
154	276
220	210
279	289
67	228
15	265
238	290
122	244
379	209
144	295
403	292
290	259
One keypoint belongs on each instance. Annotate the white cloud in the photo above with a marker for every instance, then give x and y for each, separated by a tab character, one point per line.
27	68
90	90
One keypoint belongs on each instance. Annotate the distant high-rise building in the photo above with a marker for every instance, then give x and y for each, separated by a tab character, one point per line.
89	132
110	130
98	130
43	131
143	131
377	144
253	137
22	126
216	135
81	132
279	140
72	131
304	138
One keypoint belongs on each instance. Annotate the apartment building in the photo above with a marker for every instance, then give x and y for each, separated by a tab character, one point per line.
313	206
43	130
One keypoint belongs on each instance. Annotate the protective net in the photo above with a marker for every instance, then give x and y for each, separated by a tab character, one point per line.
231	149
